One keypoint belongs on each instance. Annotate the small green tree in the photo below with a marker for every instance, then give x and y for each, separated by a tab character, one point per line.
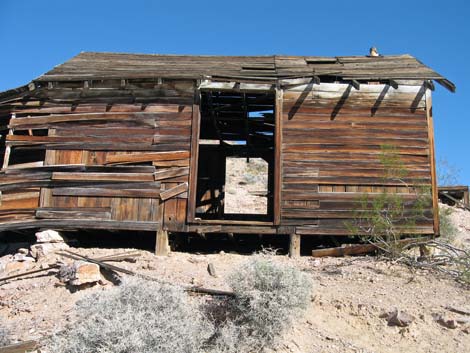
388	217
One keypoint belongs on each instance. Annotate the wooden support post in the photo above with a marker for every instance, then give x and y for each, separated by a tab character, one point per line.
162	247
432	161
294	245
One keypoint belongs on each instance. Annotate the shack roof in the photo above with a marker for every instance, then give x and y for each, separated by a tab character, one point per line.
270	68
98	66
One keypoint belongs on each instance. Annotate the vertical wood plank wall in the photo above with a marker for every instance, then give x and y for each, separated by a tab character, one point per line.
331	146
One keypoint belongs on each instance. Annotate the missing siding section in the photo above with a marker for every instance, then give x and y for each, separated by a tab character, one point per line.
236	154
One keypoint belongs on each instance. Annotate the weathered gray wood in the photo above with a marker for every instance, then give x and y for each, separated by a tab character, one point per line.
75	213
21	347
162	247
294	245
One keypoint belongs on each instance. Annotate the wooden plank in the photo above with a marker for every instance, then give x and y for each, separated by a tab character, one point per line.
432	160
20	203
358	249
173	163
80	224
167	194
106	192
146	157
6	155
25	165
21	347
103	176
194	158
147	118
321	230
171	173
162	246
79	212
278	156
19	196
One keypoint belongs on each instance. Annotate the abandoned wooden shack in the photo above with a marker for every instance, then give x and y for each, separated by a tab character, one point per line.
140	142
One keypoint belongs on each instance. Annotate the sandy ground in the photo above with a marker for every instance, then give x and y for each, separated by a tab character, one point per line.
349	296
246	186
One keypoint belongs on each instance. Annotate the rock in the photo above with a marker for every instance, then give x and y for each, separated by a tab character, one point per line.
15	266
49	236
85	272
446	322
23	258
40	250
399	318
211	269
23	251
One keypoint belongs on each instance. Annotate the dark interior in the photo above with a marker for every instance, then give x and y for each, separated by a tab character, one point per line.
233	124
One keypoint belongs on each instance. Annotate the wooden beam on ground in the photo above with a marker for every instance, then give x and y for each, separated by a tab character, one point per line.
19	347
350	249
358	249
294	245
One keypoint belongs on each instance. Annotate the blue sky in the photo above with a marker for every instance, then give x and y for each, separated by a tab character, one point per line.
37	35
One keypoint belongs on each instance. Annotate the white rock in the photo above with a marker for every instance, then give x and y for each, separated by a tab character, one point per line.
22	258
49	236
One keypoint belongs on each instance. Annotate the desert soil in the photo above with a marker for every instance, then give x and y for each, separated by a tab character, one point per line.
348	300
246	186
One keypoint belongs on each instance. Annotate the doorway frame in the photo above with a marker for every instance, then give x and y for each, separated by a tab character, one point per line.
194	158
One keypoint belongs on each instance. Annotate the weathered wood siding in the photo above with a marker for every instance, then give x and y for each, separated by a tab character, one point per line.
331	145
115	152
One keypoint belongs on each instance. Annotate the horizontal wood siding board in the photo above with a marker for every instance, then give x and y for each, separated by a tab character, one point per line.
147	157
80	224
345	232
75	213
106	192
102	176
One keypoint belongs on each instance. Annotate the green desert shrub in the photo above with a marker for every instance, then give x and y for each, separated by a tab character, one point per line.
268	297
447	228
137	316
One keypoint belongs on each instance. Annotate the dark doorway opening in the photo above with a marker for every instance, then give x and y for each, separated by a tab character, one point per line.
235	178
